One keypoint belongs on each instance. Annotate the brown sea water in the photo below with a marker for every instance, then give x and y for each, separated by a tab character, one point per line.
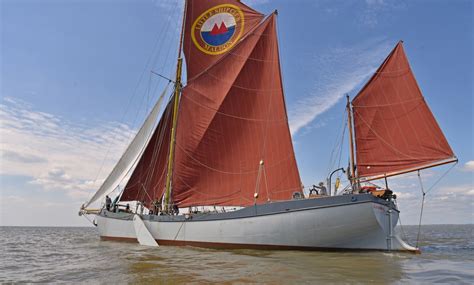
76	255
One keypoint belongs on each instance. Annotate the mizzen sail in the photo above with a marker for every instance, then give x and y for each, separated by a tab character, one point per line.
395	131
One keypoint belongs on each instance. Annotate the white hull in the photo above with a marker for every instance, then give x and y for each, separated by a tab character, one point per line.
349	226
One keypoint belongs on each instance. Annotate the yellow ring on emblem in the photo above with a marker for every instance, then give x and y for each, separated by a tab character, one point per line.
193	28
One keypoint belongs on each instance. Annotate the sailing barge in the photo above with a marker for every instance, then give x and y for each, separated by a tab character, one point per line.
223	142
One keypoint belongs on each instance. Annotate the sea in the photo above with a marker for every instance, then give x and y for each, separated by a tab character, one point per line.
76	255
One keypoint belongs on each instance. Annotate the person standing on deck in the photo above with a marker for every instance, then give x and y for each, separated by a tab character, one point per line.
322	188
108	202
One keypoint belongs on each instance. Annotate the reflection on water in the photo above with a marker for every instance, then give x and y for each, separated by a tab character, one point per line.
77	255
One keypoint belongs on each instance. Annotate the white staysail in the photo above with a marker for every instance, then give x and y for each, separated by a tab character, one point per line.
130	156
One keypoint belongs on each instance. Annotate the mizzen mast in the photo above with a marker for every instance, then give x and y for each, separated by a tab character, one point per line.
177	92
351	141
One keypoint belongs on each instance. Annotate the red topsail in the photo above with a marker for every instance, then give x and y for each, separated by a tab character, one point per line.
201	55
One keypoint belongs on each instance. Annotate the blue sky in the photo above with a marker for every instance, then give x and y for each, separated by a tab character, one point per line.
76	85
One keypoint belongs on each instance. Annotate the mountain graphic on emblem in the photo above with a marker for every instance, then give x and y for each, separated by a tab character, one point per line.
219	30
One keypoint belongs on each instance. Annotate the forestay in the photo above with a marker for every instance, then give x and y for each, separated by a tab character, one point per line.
132	153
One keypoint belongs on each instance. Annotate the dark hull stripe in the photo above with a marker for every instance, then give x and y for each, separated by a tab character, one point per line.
220	245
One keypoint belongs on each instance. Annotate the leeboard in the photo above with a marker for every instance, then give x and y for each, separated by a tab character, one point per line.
144	236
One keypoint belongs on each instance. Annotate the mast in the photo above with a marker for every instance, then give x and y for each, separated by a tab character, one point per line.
177	92
351	140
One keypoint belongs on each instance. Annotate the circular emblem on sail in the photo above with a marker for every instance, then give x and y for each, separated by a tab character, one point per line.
218	29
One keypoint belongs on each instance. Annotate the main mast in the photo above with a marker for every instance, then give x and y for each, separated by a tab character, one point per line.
177	92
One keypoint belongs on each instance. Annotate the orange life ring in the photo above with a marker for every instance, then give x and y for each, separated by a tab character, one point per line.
368	189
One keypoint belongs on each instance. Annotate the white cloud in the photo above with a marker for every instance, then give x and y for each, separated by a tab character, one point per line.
377	10
456	190
444	205
55	153
469	166
18	210
344	70
405	195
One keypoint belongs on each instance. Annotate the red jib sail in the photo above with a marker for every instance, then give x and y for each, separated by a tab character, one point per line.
147	181
233	138
395	131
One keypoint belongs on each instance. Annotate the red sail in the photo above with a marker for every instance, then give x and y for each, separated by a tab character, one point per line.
232	117
395	131
204	45
147	181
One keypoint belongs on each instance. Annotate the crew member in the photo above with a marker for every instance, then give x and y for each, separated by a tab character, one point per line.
322	188
108	202
175	209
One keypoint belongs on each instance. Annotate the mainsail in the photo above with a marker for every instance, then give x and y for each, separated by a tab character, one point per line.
395	131
130	156
232	137
232	118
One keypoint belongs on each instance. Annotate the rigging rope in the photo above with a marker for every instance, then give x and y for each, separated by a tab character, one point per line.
424	195
152	59
177	233
421	211
338	144
441	177
156	150
266	183
167	30
150	135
